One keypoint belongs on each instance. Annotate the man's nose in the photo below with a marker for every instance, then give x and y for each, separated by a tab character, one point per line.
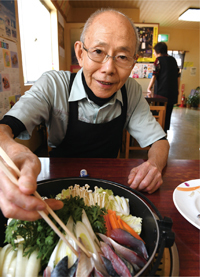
109	65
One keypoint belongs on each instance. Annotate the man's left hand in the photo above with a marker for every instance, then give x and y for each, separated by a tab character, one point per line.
145	177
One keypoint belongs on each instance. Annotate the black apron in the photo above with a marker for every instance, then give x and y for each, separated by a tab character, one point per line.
88	140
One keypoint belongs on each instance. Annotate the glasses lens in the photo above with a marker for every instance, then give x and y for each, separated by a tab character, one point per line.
124	61
96	55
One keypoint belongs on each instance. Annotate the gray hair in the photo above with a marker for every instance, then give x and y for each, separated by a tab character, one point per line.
102	10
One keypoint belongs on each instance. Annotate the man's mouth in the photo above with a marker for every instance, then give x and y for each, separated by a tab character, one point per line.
105	83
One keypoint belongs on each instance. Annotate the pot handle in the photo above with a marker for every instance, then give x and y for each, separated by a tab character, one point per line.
166	240
166	234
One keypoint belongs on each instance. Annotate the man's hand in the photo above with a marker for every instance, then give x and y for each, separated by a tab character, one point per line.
145	177
150	86
149	93
18	201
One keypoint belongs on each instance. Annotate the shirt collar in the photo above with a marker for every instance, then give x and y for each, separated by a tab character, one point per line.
78	92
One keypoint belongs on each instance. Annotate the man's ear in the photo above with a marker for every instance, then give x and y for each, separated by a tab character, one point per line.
79	52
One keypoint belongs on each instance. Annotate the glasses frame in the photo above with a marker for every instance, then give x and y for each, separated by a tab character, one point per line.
107	57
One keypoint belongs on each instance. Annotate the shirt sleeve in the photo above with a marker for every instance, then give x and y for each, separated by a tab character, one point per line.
141	124
15	124
33	107
46	101
156	69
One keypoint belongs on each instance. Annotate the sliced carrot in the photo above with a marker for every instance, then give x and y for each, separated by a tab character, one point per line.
111	212
119	222
108	225
130	230
113	220
187	188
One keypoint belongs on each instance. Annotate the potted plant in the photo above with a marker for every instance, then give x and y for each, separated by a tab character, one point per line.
193	100
188	102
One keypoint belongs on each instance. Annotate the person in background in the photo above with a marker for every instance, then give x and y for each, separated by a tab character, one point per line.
165	79
85	114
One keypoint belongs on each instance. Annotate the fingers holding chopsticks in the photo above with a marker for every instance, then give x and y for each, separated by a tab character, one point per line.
12	210
27	166
16	199
16	204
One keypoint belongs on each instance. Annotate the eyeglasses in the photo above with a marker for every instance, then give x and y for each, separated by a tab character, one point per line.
100	56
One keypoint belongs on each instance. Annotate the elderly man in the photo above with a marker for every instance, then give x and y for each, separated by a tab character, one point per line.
86	115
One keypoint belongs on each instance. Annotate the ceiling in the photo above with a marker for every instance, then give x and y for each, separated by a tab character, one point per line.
164	12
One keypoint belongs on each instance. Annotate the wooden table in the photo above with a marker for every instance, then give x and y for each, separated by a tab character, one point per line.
117	170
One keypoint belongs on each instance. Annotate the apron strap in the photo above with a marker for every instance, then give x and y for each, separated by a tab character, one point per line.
72	76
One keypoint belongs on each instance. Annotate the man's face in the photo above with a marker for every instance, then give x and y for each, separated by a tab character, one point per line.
113	34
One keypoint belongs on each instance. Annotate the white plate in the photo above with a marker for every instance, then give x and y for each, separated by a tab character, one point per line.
188	202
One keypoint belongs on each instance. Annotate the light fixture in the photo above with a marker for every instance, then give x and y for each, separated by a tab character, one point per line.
191	14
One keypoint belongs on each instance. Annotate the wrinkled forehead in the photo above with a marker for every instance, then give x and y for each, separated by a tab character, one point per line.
111	26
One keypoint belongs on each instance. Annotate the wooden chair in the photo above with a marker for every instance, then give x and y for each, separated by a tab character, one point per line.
160	112
160	116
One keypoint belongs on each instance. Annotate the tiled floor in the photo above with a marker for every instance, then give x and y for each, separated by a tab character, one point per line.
183	135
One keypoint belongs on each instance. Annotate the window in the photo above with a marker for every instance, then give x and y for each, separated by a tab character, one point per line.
179	56
36	43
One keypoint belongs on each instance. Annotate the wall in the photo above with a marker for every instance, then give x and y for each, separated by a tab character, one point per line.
60	35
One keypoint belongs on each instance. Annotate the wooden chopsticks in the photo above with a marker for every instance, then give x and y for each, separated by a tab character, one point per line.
8	173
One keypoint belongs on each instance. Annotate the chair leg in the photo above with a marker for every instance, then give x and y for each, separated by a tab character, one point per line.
118	155
127	145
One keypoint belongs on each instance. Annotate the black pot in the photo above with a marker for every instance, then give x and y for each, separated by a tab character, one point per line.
156	231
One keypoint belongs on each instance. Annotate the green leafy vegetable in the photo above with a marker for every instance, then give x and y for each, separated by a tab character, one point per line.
38	235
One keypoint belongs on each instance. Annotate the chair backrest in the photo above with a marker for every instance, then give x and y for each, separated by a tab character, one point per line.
160	114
